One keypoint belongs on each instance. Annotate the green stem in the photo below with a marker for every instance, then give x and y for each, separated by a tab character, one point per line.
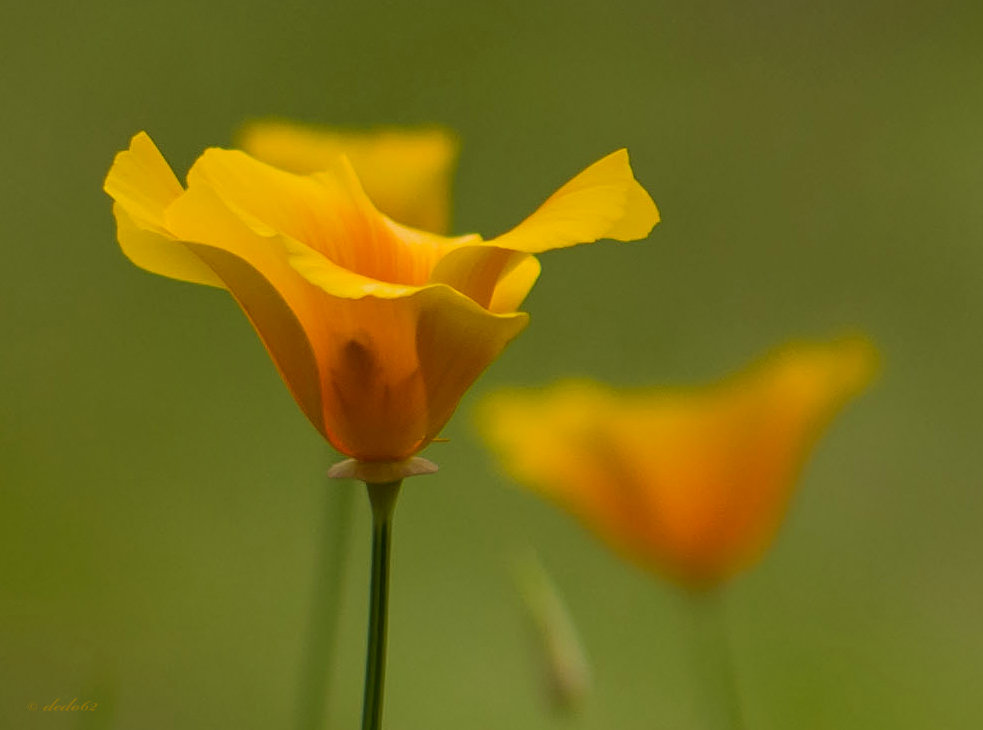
325	616
383	500
716	659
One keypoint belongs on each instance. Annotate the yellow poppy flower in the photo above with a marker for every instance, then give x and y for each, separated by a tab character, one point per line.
690	483
405	172
376	328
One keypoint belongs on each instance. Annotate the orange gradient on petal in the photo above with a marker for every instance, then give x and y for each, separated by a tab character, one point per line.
690	483
377	328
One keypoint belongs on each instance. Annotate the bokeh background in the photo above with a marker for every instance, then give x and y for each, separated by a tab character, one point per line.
819	167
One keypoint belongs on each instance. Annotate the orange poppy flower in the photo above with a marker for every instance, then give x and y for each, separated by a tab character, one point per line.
690	483
406	173
377	328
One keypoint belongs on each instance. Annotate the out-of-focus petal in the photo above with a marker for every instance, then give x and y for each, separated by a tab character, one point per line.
557	442
406	172
692	483
727	459
603	201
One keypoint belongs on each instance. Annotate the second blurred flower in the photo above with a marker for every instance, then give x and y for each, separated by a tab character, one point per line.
691	483
406	173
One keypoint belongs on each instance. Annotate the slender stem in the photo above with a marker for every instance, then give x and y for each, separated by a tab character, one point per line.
383	500
716	659
325	616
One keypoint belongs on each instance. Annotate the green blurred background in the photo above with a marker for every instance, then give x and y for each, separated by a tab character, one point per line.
819	167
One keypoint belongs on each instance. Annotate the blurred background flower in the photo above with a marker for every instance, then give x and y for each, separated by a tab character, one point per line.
407	173
689	483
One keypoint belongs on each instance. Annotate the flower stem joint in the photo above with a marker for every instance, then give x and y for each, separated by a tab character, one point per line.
381	472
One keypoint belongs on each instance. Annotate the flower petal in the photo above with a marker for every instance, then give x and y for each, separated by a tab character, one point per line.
337	280
393	360
327	211
514	285
556	442
142	185
603	201
281	332
726	459
456	340
285	310
141	181
691	483
399	366
406	173
476	270
397	358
